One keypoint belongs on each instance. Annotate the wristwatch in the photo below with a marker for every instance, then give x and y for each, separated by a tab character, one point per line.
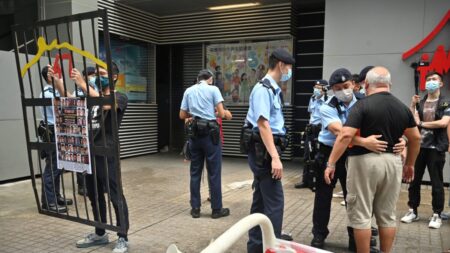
330	165
421	124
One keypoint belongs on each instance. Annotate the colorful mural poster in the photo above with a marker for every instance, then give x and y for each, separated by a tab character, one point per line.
239	66
132	60
72	135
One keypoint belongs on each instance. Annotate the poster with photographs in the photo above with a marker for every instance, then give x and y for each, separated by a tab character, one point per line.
239	66
72	140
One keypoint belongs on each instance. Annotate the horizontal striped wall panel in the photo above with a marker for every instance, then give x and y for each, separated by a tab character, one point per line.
263	22
232	130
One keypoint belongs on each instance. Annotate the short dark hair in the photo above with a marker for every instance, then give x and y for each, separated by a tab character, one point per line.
204	74
114	68
44	73
355	78
273	62
434	73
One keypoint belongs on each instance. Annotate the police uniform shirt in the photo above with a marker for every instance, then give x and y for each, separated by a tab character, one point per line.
330	115
314	109
264	103
201	99
48	93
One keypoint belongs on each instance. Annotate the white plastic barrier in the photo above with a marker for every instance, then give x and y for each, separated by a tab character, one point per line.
270	243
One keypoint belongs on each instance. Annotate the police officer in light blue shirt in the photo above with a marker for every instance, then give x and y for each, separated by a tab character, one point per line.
311	132
199	104
317	99
51	198
265	116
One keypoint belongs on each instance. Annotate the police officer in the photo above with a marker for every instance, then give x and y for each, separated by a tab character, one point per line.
199	103
51	197
361	78
265	117
312	131
334	114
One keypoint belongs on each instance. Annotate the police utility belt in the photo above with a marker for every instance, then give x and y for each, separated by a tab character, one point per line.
251	140
199	127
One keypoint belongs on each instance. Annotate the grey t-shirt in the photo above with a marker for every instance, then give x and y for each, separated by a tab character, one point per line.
429	111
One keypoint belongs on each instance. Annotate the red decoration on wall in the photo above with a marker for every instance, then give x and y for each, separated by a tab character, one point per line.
57	68
441	60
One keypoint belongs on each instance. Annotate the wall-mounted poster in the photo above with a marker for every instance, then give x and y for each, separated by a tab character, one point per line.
72	135
239	66
132	59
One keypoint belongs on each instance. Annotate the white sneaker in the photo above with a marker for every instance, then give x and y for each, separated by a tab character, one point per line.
343	203
338	195
435	222
410	216
92	240
121	246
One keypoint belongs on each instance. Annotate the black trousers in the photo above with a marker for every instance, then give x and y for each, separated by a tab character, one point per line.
102	180
324	192
433	160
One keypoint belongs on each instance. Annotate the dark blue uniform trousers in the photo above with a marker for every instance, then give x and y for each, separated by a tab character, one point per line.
51	180
324	191
268	199
203	148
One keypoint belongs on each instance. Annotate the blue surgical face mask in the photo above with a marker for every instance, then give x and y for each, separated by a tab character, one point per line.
431	86
92	80
362	91
317	92
285	77
103	83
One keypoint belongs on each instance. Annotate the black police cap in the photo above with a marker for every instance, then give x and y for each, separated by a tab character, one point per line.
283	56
321	82
340	76
363	73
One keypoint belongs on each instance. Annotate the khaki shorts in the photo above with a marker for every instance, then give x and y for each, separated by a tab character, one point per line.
373	185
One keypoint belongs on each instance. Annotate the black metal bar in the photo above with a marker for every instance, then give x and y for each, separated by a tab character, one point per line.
71	56
101	107
89	109
114	123
31	86
54	21
74	195
82	221
96	56
25	118
84	58
62	63
102	124
84	195
49	61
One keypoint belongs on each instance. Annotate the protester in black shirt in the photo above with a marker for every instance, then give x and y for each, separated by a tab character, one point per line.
432	117
374	179
105	177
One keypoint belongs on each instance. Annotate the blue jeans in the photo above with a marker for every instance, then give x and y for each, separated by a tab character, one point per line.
51	182
202	148
268	199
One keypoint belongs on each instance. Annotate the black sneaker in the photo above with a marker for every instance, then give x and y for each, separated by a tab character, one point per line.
318	242
301	185
54	208
195	213
286	236
374	231
62	201
220	213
